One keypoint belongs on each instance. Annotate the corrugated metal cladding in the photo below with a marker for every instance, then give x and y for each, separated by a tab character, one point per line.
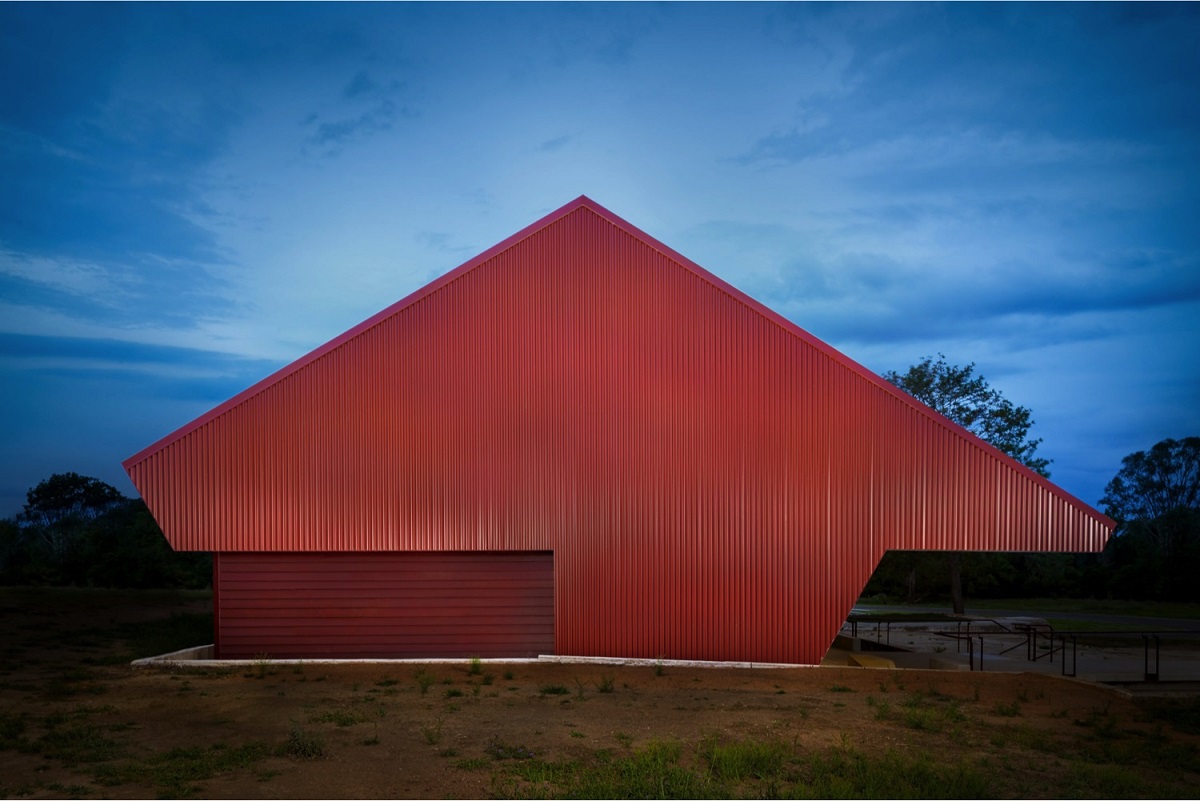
384	605
714	482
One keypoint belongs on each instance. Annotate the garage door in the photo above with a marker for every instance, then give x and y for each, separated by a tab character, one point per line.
388	605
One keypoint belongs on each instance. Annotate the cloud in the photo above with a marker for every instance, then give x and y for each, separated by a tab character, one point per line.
555	144
834	284
371	121
440	242
360	84
350	120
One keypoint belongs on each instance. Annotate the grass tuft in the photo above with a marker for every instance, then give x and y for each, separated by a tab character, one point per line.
744	759
304	745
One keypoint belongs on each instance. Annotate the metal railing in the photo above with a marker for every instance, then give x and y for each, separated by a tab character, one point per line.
1056	642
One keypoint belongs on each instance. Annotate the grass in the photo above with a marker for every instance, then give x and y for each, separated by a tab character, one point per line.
742	768
73	744
553	689
178	772
338	717
499	750
433	731
1004	710
655	771
71	720
845	772
303	745
425	680
1181	715
921	711
744	759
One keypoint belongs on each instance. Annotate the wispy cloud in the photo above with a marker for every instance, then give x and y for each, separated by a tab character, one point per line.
366	107
555	144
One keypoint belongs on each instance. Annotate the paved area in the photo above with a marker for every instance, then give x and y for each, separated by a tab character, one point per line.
997	644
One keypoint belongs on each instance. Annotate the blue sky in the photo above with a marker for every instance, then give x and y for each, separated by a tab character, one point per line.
196	195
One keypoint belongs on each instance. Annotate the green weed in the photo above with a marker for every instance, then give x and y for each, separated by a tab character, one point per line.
433	731
1181	715
338	717
744	759
302	744
261	663
83	742
1007	710
655	771
177	773
847	773
499	750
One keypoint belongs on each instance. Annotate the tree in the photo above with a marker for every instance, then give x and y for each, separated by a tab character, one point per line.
1152	484
77	530
967	399
1155	499
58	507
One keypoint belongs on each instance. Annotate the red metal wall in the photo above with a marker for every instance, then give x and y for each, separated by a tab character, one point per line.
714	482
386	605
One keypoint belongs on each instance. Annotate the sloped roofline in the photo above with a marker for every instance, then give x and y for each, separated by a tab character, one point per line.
584	202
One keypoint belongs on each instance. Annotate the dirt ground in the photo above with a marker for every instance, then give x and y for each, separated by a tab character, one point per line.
77	722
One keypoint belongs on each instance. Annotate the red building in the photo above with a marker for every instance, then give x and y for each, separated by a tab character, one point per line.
578	442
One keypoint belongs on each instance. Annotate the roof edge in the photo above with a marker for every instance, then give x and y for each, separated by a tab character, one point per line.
583	201
365	325
844	360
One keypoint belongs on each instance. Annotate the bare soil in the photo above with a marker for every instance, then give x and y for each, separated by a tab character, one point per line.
442	731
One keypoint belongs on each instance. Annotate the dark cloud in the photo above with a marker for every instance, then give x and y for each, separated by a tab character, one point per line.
866	300
93	170
43	426
104	354
332	135
383	111
925	73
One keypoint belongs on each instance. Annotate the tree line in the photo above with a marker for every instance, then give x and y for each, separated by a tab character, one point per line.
79	531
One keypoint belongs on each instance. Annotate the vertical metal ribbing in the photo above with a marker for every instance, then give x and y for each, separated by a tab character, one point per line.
713	481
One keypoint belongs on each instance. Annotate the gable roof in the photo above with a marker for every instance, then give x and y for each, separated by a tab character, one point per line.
584	205
714	482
